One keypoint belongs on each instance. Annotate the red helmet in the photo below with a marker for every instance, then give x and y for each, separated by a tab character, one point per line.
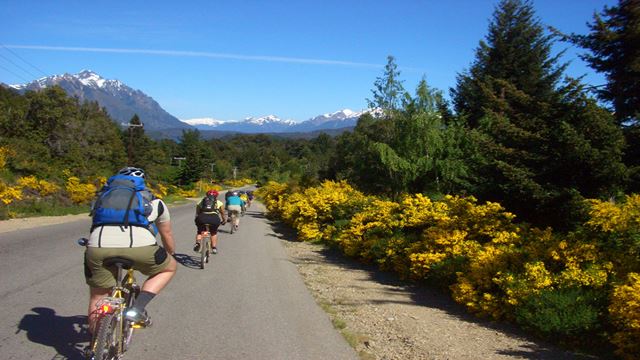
213	193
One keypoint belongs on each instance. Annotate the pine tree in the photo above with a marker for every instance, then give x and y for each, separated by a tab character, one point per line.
540	153
614	43
516	52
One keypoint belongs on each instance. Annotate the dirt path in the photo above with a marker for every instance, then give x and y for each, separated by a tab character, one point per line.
386	319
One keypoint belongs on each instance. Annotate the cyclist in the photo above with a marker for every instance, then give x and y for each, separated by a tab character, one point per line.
249	198
234	206
244	198
209	211
135	242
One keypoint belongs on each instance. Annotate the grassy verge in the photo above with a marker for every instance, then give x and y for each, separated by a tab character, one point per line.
39	207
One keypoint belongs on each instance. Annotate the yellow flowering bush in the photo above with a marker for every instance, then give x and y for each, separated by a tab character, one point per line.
159	190
9	194
311	211
273	195
615	228
239	182
187	193
625	314
492	265
5	153
80	193
367	227
41	187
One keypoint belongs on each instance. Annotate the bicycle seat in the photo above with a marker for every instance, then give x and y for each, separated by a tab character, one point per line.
116	260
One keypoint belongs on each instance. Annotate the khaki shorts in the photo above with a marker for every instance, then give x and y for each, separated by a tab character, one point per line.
149	260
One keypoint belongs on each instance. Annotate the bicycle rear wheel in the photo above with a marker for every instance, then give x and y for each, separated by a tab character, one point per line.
107	338
204	251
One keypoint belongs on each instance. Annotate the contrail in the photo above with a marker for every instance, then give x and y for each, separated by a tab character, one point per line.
198	54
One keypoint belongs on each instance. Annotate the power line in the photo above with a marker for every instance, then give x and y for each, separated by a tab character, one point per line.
25	80
25	61
19	67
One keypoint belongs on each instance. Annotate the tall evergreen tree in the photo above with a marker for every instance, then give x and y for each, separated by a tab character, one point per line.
516	52
530	128
614	43
197	157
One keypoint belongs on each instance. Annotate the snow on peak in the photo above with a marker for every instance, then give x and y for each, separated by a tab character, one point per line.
203	121
269	119
335	116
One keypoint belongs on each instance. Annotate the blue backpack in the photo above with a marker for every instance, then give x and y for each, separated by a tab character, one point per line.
124	201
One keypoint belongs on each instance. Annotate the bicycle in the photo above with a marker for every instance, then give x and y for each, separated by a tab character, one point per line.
113	333
205	247
233	216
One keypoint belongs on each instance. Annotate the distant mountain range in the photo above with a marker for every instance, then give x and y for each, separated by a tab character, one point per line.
272	124
122	102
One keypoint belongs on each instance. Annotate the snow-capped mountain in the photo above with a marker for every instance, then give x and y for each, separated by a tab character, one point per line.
120	100
204	123
272	124
265	124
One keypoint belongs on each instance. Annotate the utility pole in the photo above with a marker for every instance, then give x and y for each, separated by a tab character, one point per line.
130	127
235	170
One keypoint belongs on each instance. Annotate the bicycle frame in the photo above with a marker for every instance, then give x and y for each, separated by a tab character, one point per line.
205	246
121	297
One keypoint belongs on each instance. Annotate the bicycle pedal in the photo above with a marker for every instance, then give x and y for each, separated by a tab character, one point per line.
142	325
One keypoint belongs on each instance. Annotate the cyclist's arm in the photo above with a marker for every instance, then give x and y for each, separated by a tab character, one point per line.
163	223
164	228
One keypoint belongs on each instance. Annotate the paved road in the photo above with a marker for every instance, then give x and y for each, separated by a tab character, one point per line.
249	303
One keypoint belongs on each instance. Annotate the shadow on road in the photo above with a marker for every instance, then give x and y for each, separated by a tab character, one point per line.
66	334
185	260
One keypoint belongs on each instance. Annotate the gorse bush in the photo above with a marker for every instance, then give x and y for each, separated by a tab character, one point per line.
625	315
558	285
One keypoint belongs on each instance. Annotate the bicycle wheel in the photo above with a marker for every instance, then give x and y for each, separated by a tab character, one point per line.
107	338
208	239
203	252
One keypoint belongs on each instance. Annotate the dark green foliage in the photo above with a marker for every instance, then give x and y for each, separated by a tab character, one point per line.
562	313
49	132
543	145
416	148
197	157
614	43
516	52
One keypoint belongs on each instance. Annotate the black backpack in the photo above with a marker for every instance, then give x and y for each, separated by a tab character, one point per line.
208	205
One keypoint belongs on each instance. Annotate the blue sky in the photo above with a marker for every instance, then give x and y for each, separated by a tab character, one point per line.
234	59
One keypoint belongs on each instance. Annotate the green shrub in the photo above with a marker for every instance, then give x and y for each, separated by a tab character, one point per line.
563	313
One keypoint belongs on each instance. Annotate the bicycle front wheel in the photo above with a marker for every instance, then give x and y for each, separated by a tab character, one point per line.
107	342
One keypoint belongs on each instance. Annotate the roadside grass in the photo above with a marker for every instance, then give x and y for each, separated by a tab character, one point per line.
353	339
55	207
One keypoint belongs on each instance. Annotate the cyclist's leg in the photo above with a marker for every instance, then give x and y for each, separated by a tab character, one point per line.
237	218
99	279
160	268
95	294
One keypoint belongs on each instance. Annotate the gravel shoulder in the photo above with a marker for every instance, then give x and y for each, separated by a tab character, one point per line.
384	318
